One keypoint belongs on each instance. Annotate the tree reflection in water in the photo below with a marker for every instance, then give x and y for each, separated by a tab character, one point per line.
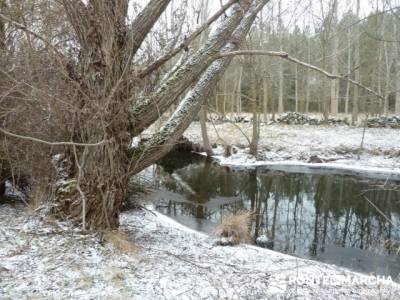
309	215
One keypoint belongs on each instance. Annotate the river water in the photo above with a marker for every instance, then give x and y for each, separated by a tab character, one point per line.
338	219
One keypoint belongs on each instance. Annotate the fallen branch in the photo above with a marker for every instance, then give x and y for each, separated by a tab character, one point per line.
286	56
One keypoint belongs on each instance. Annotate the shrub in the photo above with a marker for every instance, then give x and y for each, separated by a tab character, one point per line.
235	229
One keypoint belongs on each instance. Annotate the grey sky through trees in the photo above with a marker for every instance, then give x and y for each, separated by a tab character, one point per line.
294	12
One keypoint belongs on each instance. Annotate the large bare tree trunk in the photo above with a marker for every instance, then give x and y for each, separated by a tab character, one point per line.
2	27
280	28
239	91
308	80
204	133
108	103
280	99
387	80
397	77
325	99
347	97
354	116
265	99
378	73
296	91
335	64
163	141
280	96
224	97
105	99
203	111
256	118
104	113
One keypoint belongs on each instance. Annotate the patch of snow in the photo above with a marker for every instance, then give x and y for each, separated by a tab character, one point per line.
135	142
289	147
41	259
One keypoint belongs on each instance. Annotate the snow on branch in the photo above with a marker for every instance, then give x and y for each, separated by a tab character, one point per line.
166	137
147	110
162	60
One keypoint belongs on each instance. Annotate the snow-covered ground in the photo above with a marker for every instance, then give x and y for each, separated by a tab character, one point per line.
289	147
41	258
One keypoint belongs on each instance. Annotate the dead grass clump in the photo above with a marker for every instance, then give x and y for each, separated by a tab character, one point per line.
235	229
120	241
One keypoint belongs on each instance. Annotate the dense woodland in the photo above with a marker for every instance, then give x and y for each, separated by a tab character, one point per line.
79	80
338	41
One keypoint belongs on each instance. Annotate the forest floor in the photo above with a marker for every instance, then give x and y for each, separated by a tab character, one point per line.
291	147
153	257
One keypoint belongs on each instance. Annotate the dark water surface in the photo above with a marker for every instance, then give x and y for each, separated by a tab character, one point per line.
338	219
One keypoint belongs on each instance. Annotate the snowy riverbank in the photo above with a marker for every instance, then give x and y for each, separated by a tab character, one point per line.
290	147
45	259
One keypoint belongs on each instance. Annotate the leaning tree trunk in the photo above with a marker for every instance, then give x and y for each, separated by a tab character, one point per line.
355	111
335	62
163	140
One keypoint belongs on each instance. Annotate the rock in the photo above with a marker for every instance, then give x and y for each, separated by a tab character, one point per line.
382	121
3	269
314	159
294	118
264	242
332	121
224	241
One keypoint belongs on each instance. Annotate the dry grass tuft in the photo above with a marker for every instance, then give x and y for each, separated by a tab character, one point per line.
235	228
120	241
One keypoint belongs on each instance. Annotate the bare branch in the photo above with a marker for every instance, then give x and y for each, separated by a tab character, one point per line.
78	16
162	60
36	140
286	56
162	141
30	32
145	21
147	110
